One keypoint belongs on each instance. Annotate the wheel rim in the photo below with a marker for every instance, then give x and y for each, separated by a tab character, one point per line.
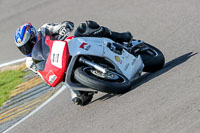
109	76
152	52
146	49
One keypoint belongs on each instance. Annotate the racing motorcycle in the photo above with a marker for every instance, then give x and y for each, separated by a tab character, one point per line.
95	64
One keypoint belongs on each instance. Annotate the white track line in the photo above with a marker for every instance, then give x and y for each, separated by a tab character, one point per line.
37	109
12	62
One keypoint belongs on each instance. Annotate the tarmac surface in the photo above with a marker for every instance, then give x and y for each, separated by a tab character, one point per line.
167	101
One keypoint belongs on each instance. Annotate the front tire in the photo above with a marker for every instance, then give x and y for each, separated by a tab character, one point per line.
113	83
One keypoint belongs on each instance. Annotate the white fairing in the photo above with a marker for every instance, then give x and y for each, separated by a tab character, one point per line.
86	46
126	63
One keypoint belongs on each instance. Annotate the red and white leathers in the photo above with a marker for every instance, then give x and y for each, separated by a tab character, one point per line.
50	29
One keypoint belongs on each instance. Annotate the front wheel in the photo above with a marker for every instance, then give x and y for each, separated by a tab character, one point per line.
110	82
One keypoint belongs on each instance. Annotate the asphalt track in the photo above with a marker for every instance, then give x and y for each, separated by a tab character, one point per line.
167	101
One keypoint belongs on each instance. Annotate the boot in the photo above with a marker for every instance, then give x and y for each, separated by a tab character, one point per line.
81	97
116	36
121	37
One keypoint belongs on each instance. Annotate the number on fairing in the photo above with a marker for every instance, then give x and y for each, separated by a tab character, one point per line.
57	53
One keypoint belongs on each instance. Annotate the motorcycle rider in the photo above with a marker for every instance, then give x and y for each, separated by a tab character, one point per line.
26	36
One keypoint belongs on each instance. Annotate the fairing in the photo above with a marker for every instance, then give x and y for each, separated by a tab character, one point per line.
51	58
124	63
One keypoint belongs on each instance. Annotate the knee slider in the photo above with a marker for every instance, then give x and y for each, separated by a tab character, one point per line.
81	28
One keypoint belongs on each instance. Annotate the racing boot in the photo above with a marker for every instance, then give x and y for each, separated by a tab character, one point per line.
121	37
77	100
81	97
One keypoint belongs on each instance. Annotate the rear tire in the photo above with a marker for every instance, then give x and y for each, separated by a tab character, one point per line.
118	84
153	59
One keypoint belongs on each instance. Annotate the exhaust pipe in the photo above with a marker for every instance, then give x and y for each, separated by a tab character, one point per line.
92	64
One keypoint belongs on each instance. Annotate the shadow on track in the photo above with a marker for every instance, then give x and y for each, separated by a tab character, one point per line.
148	76
168	66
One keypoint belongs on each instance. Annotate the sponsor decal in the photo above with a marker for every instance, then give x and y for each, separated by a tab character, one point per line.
82	45
118	59
55	58
85	46
51	77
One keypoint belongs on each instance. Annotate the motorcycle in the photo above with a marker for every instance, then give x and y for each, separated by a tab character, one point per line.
95	64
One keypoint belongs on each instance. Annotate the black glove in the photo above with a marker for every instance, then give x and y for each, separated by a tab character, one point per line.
70	25
66	27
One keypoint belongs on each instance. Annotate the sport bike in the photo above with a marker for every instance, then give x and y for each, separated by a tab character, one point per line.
95	64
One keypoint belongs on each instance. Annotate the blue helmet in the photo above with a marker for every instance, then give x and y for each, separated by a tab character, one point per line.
25	38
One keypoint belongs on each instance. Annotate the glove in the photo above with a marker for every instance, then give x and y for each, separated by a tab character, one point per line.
66	27
62	31
70	25
30	64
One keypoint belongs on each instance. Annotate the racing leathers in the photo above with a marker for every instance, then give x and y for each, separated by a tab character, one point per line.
92	29
86	29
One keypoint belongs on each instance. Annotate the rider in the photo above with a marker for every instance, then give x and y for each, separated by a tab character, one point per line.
26	36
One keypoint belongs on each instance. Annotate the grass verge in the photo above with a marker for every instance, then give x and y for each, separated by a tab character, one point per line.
9	79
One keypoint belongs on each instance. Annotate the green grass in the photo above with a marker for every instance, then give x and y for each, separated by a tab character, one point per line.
9	79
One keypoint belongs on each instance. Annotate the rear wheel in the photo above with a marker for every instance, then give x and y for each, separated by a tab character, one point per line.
110	82
152	57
